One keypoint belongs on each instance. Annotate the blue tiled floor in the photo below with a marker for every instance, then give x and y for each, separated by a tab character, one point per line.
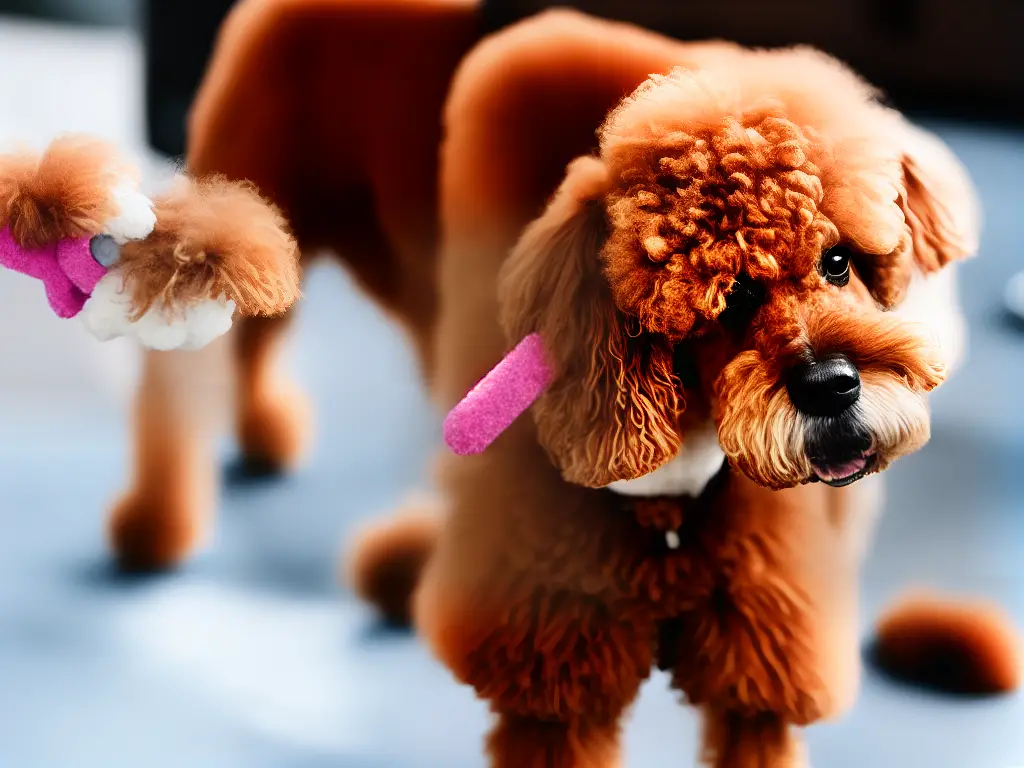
254	656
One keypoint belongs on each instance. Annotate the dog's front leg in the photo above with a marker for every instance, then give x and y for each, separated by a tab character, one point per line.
523	598
774	645
557	670
765	740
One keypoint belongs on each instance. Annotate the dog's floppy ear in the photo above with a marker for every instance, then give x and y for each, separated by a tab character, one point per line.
938	200
609	413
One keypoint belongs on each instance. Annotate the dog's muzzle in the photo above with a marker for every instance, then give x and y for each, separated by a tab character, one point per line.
825	390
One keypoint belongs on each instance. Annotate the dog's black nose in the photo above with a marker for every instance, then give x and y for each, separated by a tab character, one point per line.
823	387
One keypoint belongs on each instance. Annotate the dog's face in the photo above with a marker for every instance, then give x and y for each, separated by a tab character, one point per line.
734	252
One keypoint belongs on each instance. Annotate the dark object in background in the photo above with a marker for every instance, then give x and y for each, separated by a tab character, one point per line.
957	58
179	36
951	57
947	57
104	13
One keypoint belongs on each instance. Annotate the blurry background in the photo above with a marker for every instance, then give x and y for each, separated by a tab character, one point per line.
252	655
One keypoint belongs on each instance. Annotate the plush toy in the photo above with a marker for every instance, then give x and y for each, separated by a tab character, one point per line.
170	271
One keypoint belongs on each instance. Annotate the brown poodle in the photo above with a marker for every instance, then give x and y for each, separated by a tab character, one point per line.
725	255
709	272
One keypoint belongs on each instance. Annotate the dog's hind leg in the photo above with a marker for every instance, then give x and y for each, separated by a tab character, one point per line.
272	414
385	560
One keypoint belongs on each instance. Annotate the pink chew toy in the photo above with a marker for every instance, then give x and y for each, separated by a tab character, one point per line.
499	398
67	269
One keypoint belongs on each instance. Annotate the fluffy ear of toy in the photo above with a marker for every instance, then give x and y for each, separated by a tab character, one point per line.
552	284
962	647
67	191
214	238
217	246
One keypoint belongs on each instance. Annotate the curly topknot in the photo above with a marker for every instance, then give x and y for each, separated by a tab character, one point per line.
700	209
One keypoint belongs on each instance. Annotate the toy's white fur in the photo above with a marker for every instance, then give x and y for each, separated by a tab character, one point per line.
135	218
107	315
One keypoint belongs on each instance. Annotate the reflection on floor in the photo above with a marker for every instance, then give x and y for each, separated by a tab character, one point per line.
253	656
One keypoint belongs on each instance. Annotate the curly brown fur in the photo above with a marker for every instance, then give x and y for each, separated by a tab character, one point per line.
552	285
708	178
550	594
705	207
964	647
214	238
63	192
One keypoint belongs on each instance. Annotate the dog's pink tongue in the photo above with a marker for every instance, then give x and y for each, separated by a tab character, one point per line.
841	471
499	398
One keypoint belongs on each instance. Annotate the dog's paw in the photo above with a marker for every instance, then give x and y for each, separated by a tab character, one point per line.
274	430
149	533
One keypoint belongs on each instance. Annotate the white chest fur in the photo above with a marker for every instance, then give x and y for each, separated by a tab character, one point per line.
687	474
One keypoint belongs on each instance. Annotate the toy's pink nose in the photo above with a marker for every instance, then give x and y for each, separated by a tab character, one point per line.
502	395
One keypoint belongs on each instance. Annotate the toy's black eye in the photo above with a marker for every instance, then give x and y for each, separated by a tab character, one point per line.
835	265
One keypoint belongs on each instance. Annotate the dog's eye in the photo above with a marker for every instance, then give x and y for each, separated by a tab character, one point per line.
835	265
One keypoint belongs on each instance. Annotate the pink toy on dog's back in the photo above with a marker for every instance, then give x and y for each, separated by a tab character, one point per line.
499	398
